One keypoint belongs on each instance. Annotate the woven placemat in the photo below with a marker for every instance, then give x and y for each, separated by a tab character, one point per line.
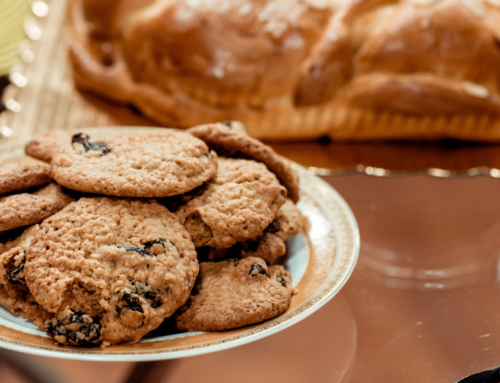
14	19
48	99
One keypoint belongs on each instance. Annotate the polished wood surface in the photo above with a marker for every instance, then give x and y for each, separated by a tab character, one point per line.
421	305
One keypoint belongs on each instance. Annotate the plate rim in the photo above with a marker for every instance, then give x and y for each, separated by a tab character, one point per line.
346	256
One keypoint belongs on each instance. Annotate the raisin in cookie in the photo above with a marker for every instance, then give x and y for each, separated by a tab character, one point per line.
227	139
237	204
268	245
233	294
158	164
44	147
72	328
121	266
14	177
14	293
28	208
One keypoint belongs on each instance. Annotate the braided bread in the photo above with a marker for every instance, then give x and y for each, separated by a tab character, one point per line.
349	69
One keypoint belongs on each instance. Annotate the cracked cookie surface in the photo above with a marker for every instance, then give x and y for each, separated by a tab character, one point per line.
152	165
268	245
25	209
14	292
44	147
237	204
229	139
125	264
14	177
231	294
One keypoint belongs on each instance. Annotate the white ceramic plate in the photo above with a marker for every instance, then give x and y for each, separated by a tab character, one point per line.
320	260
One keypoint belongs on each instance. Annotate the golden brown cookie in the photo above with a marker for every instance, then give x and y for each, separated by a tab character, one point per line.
14	177
268	245
44	147
230	141
157	164
28	208
233	294
118	266
14	292
237	204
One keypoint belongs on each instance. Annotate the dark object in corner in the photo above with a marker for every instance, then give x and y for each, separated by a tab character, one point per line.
490	376
4	81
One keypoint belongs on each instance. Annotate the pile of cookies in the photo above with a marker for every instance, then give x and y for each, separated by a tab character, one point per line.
120	233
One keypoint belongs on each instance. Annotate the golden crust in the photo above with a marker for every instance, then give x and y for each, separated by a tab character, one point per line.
371	55
413	93
240	54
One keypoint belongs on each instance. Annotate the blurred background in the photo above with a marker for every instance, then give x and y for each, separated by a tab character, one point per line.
421	305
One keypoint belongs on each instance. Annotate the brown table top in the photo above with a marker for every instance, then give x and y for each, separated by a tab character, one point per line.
421	305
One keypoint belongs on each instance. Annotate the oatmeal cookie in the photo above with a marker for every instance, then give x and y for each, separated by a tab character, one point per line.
14	293
268	245
157	164
28	208
228	139
14	177
111	270
44	147
233	294
237	204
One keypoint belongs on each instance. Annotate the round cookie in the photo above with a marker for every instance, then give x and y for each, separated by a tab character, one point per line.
231	294
44	147
237	204
158	164
14	292
268	245
288	222
111	270
228	139
28	208
14	177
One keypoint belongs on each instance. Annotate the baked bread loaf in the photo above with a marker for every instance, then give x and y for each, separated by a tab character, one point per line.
350	69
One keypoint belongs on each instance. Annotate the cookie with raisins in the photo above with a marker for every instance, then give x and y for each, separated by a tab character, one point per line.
25	209
121	266
230	140
231	294
237	204
14	293
152	165
268	245
74	329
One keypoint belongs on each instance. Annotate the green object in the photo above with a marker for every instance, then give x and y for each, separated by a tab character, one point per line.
13	14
